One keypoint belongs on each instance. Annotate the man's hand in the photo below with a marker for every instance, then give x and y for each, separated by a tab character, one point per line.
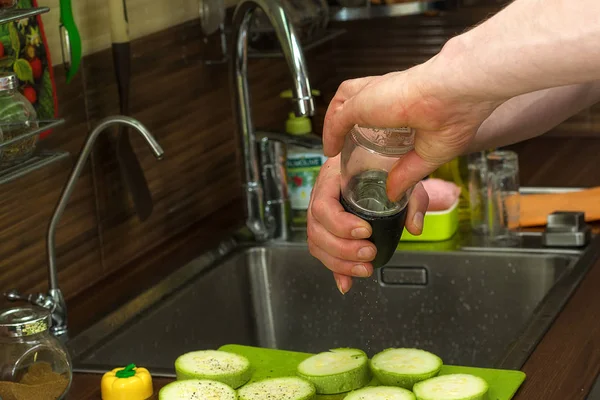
445	122
339	239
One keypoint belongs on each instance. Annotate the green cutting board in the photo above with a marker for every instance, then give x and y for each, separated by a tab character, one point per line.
271	363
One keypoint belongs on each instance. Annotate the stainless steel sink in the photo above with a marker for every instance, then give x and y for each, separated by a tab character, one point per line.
472	308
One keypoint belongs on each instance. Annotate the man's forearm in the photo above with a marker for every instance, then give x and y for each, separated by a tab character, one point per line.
530	45
533	114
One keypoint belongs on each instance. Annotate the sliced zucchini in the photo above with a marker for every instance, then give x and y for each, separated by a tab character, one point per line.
336	371
452	387
404	367
197	389
231	369
381	393
286	388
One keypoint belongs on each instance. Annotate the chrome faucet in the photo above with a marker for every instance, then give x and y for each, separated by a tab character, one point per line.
54	300
265	219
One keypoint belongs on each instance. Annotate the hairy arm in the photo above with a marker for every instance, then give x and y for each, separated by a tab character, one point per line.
533	114
528	46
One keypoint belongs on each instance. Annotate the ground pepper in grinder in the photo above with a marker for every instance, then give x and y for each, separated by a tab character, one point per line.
367	157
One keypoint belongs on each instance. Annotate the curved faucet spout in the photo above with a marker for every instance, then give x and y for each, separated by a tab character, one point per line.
59	326
303	101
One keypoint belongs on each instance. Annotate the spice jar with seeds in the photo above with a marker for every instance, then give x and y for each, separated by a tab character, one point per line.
17	118
33	363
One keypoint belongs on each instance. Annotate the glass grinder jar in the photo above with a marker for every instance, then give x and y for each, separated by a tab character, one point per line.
33	363
367	157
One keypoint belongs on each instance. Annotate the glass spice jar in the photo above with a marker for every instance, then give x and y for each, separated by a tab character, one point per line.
17	117
33	363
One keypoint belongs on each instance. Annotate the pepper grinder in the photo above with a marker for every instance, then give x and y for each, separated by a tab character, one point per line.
367	157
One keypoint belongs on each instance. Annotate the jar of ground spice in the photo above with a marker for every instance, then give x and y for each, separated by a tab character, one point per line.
33	363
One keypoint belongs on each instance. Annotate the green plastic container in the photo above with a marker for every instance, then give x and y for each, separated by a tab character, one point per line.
437	226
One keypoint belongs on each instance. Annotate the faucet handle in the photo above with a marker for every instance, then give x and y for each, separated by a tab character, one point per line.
13	295
38	299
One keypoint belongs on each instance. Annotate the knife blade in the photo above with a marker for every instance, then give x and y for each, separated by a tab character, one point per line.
131	170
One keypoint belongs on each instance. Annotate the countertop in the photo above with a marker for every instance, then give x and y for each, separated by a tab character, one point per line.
566	363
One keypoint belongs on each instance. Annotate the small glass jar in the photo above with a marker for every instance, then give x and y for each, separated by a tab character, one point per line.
367	157
32	361
17	117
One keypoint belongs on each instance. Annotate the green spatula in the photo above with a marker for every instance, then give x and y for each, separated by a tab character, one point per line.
70	39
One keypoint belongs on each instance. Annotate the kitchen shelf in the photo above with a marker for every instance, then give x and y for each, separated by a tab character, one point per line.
37	161
40	159
381	11
12	14
43	125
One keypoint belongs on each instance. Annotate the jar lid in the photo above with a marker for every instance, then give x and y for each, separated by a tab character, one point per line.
386	141
8	81
23	321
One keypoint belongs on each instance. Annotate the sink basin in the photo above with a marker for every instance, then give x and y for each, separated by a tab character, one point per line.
480	309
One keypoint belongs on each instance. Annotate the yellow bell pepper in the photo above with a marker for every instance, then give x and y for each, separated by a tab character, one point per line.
129	383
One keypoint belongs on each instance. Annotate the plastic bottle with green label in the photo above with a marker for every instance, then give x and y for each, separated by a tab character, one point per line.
303	165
